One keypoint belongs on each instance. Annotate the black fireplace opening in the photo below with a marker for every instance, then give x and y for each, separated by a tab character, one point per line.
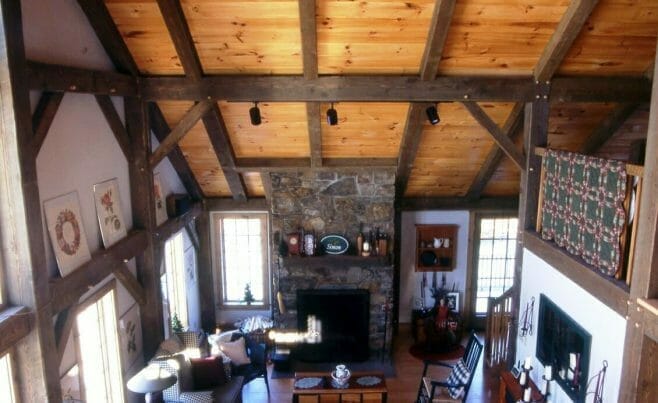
345	318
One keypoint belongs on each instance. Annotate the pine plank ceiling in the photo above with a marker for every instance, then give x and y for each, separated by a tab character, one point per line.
499	38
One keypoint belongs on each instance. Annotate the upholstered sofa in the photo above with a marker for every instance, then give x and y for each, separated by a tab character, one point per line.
199	380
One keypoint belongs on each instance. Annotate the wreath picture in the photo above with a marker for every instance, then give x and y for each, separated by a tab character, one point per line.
67	232
68	236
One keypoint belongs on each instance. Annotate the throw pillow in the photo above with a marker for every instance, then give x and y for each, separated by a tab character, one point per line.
208	372
236	351
459	375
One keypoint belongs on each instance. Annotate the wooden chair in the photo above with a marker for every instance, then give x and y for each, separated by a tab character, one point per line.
430	390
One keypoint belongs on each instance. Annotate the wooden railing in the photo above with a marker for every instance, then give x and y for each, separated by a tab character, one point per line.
500	319
631	207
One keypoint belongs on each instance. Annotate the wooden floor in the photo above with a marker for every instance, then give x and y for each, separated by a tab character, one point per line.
401	389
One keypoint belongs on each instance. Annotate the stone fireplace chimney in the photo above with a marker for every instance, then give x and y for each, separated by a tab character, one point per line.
334	202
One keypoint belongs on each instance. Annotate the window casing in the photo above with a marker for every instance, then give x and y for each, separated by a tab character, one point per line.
7	393
98	346
175	286
242	256
495	256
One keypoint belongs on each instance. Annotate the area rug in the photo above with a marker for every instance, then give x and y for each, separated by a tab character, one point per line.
419	351
385	366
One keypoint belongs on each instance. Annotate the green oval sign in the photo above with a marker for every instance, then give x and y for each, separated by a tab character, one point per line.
334	244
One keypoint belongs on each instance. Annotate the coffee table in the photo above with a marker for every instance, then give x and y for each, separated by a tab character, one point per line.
316	387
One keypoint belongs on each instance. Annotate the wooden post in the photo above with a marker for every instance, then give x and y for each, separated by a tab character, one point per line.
143	209
22	232
644	283
205	270
535	134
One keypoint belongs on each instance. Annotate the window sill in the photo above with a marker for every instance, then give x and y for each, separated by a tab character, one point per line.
245	307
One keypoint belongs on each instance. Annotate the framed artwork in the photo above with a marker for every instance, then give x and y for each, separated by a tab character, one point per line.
452	299
109	211
130	332
67	234
70	384
160	209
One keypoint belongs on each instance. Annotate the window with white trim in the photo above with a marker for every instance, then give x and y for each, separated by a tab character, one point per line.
7	393
176	289
496	254
241	243
98	342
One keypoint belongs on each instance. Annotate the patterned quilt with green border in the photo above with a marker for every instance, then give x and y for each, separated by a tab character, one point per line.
583	207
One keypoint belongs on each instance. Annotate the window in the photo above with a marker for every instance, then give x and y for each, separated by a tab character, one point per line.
495	258
99	349
243	257
175	297
6	384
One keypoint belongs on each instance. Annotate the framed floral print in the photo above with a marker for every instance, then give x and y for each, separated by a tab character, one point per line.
130	330
109	211
160	209
67	233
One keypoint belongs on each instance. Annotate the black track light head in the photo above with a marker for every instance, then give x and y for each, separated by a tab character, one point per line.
254	114
332	116
432	115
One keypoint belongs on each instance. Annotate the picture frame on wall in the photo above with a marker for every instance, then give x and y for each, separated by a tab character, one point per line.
109	212
67	233
130	333
160	208
70	384
452	300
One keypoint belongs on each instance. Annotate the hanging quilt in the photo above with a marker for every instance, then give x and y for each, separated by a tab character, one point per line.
583	207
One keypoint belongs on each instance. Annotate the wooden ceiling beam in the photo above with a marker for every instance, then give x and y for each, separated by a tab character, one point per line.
297	164
106	30
606	129
161	129
242	88
436	39
501	138
214	122
58	78
114	121
511	128
307	24
174	18
16	322
130	283
221	143
43	117
182	128
413	128
562	39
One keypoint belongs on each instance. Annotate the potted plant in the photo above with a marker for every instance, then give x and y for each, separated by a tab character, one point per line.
248	296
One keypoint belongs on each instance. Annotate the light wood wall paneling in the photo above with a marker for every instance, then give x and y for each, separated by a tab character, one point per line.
27	280
608	127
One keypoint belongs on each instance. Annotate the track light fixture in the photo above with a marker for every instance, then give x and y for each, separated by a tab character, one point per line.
254	114
332	116
432	115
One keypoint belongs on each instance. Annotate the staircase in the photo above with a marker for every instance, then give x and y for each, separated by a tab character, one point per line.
499	323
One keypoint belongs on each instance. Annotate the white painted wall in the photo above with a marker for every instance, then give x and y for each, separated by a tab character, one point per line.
409	279
80	149
608	329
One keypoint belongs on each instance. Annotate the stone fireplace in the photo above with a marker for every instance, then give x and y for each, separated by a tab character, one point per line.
334	202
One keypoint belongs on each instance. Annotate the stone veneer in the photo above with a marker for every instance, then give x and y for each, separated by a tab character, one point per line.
334	202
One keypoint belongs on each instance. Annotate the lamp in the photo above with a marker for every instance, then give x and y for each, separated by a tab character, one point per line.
432	115
254	114
150	380
332	116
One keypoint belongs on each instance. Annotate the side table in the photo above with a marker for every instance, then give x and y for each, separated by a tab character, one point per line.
418	317
511	391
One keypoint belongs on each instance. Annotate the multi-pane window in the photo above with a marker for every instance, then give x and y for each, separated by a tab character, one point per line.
243	257
495	253
176	290
99	350
6	384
